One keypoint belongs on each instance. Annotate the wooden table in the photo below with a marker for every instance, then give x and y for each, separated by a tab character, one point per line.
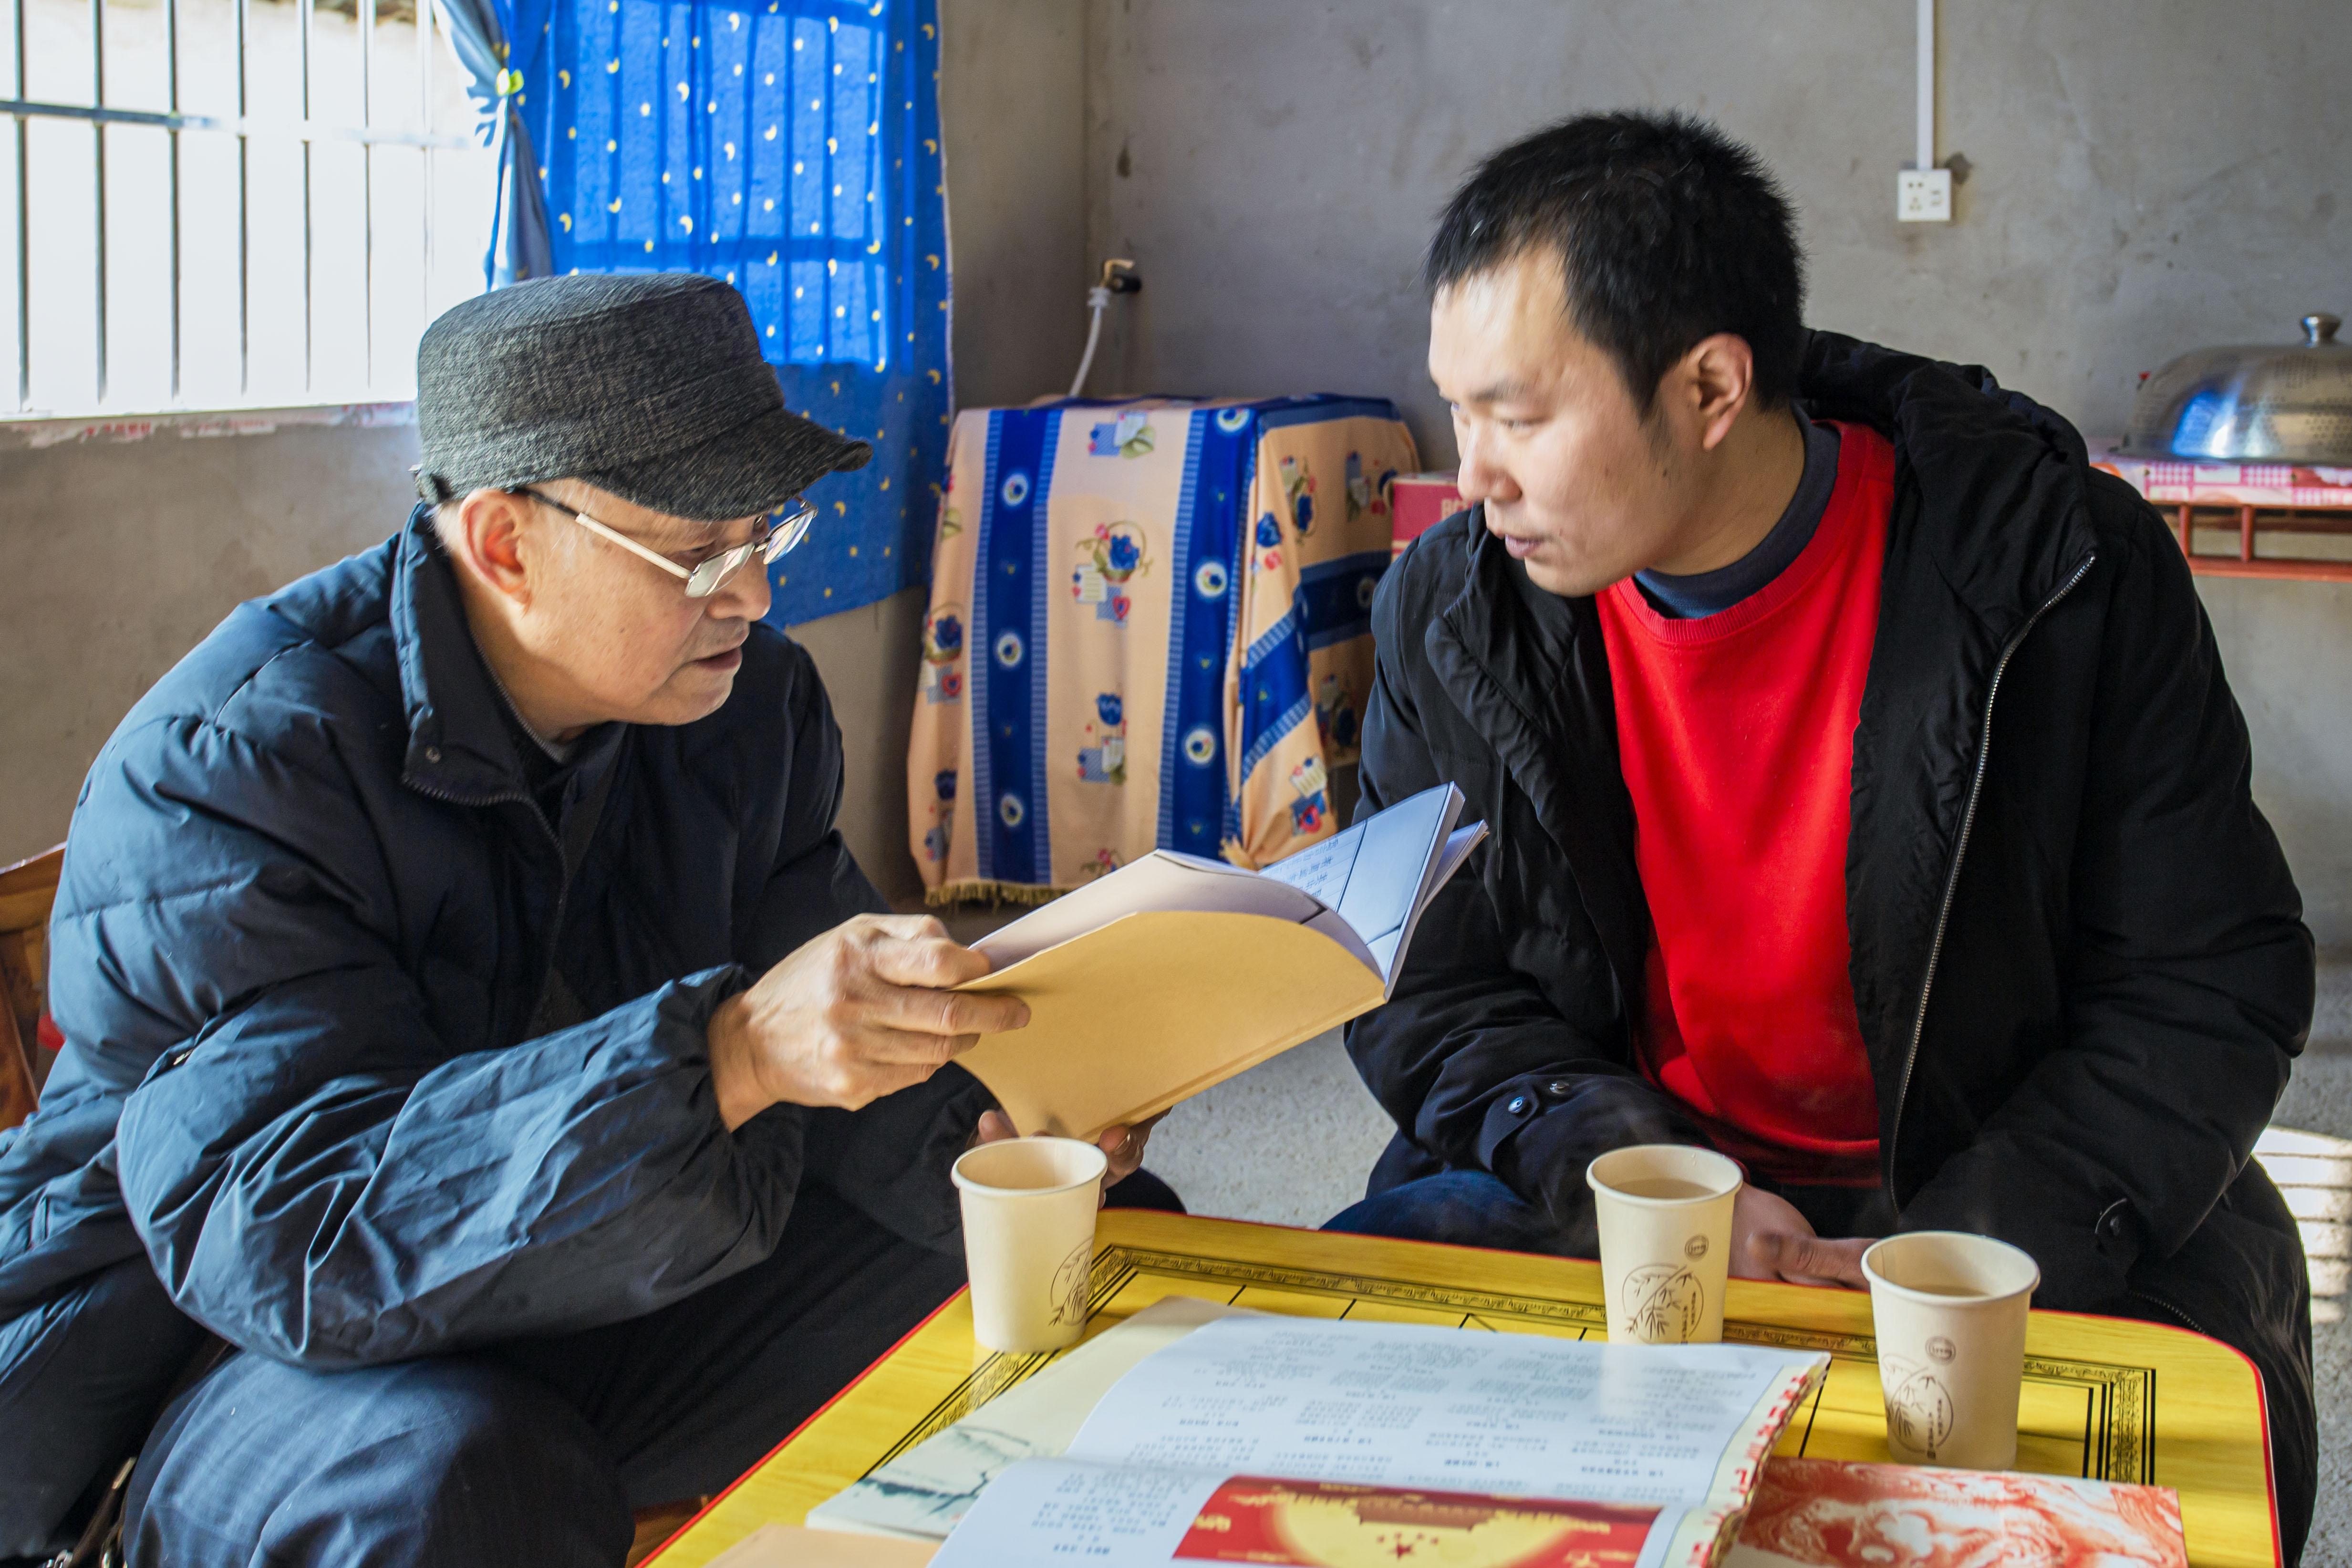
2090	1405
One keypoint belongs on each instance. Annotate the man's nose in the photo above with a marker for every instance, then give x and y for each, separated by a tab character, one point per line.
745	596
1480	477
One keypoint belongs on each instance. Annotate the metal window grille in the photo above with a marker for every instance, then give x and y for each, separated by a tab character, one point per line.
306	129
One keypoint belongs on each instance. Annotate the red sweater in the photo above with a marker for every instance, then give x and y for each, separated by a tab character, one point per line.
1735	733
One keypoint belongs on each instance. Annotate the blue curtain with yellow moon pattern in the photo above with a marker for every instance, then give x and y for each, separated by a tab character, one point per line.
791	147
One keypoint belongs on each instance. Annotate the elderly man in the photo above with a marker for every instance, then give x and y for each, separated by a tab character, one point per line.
473	1018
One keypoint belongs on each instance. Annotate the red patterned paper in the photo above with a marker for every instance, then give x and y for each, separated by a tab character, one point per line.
1329	1524
2168	481
1821	1514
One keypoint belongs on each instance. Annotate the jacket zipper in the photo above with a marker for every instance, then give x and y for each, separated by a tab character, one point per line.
2187	1321
563	886
1960	853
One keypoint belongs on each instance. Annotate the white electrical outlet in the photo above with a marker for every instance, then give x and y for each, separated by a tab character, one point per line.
1923	196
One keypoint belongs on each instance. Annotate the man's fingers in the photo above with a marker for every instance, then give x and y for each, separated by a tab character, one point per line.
920	1010
1125	1146
1782	1255
928	959
908	928
994	1128
877	1046
1849	1256
1760	1258
1809	1261
1757	1255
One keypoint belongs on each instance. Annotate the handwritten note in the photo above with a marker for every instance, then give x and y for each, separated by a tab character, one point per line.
1403	1404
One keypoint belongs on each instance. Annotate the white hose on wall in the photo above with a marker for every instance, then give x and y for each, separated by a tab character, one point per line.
1098	300
1118	278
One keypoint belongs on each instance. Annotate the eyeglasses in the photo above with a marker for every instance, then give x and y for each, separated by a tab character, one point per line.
787	526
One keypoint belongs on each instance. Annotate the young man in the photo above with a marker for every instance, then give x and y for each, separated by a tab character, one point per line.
1867	799
473	1017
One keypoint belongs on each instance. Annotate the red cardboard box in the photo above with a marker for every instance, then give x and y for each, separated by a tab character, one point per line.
1417	502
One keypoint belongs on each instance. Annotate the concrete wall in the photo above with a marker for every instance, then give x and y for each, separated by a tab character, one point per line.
115	559
2147	176
2288	650
1013	100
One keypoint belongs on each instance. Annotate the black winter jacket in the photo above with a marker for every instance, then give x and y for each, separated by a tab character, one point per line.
2077	955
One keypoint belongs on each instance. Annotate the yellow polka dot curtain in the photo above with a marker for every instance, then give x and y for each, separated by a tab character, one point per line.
792	148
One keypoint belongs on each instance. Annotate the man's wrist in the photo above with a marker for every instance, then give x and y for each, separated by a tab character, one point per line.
734	1066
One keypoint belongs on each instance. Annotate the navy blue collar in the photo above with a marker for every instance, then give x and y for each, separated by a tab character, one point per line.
1698	593
460	745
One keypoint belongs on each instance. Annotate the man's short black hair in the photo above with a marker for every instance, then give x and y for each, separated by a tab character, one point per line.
1668	232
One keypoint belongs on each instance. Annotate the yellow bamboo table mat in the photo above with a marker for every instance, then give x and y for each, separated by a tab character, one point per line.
2110	1398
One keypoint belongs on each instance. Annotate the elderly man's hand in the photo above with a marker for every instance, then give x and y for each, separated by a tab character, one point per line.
859	1013
1123	1144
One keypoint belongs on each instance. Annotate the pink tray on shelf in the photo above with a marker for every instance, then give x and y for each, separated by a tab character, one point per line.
2257	502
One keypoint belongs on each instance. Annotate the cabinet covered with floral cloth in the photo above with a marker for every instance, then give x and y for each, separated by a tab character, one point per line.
1149	625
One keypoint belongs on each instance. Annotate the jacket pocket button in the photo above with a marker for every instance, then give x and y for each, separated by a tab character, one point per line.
1560	1089
431	754
2111	1223
1520	1105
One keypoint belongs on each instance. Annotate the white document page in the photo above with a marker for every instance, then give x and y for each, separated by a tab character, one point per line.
1377	873
1390	952
1163	879
1383	1405
1321	870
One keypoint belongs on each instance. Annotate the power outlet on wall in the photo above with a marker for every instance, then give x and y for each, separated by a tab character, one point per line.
1923	196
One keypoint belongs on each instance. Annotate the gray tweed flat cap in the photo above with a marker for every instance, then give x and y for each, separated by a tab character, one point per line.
649	386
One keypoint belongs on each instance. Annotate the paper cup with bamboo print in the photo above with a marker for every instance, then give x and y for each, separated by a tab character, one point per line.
1950	1310
1029	1206
1664	1213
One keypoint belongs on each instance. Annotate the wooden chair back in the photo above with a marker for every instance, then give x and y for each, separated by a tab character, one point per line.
28	890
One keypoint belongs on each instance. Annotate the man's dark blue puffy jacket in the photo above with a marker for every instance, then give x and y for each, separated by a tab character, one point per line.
308	911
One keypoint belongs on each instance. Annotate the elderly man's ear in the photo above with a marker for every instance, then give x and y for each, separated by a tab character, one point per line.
489	533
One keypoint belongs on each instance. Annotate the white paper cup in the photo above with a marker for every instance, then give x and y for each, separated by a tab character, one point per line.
1950	1310
1029	1207
1665	1212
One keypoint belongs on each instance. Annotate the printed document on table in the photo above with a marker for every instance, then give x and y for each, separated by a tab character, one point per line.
1247	1421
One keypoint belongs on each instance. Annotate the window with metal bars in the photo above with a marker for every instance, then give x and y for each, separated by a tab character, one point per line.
220	204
